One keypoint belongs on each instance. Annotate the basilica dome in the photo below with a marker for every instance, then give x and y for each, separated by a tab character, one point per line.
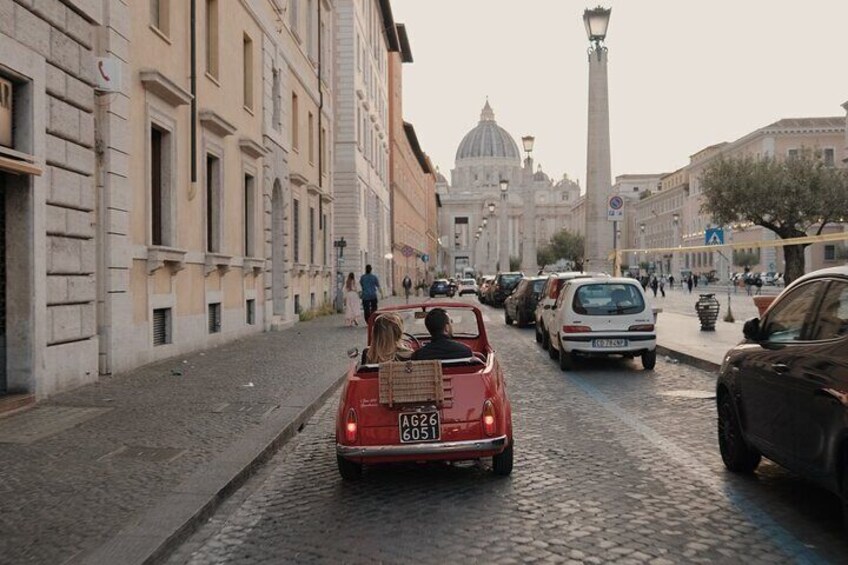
488	140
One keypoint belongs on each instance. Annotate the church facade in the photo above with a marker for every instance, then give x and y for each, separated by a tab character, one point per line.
480	224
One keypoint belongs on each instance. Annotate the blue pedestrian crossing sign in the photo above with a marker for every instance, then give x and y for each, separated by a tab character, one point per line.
714	236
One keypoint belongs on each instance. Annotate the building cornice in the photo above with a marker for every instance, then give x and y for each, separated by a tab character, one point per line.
163	87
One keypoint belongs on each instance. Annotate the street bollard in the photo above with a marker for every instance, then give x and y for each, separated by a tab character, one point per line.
707	309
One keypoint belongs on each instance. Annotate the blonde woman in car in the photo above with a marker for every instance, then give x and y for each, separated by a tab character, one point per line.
387	340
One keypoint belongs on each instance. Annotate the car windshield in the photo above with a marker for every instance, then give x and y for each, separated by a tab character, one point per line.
463	320
510	280
608	299
539	285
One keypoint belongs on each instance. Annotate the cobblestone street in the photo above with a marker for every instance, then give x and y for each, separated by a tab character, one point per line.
613	463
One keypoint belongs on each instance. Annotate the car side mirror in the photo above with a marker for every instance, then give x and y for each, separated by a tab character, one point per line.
353	352
751	329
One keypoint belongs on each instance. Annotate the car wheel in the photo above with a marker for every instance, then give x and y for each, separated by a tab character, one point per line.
735	453
502	462
566	359
519	321
538	334
349	470
507	319
552	353
649	359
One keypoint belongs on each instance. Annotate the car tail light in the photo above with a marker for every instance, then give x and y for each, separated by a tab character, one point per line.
489	418
641	328
351	426
576	329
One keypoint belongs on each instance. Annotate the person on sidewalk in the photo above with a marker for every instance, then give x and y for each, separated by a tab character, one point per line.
689	283
441	345
671	281
655	284
351	302
662	286
407	287
370	284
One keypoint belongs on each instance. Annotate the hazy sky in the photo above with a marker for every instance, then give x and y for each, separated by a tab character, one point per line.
684	74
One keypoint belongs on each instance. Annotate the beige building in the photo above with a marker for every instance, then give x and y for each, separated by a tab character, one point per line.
413	183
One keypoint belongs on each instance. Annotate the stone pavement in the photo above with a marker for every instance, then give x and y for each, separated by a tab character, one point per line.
680	337
134	456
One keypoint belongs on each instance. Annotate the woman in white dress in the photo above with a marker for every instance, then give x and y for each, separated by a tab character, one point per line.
352	302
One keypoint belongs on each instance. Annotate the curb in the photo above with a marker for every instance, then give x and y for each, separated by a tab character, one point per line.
691	360
155	533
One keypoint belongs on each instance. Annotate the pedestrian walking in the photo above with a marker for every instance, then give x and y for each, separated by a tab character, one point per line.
662	287
407	287
671	281
654	285
695	279
370	284
689	283
351	302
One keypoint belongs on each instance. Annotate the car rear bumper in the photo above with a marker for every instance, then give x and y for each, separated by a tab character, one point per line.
494	445
584	343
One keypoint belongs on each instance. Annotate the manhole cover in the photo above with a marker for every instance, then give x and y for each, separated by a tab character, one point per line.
44	421
144	453
689	394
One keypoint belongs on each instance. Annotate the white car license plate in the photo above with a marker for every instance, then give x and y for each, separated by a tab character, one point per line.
603	343
419	426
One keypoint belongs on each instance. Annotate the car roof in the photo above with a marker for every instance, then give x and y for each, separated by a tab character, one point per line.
841	271
606	280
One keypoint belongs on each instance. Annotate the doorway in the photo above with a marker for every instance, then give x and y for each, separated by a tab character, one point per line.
3	192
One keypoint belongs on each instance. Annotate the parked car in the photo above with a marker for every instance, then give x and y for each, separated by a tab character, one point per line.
467	286
521	304
602	316
381	419
485	285
545	308
503	286
441	286
783	392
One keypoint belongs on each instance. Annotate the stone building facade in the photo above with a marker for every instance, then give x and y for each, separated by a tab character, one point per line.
365	35
535	206
413	184
48	154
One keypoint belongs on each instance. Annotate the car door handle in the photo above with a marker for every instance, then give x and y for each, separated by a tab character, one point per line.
780	368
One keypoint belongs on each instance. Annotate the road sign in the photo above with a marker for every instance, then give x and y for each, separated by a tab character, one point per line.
615	208
425	258
407	251
714	236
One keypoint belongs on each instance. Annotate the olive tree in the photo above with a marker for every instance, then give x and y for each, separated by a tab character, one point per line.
792	197
562	245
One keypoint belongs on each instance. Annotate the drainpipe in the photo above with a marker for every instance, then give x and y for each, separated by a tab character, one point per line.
321	141
193	189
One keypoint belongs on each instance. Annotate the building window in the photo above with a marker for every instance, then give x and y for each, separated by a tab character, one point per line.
311	235
310	121
161	326
276	100
212	37
160	15
358	54
248	72
296	229
830	253
325	234
295	118
297	304
250	312
828	157
323	141
160	186
213	204
312	300
215	318
310	33
792	154
249	215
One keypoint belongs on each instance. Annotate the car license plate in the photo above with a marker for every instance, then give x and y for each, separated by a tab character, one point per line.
609	343
419	426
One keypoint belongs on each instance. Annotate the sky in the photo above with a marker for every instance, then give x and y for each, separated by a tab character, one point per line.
683	74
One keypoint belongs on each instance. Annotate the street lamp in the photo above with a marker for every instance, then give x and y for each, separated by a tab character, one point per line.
485	222
491	207
598	168
528	141
503	247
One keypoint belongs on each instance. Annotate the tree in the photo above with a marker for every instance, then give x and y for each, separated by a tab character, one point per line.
790	197
563	245
746	258
514	263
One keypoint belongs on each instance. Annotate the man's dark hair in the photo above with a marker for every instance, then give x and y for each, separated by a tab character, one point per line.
367	269
436	321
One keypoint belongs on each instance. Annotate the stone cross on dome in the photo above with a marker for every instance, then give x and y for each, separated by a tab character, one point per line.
487	115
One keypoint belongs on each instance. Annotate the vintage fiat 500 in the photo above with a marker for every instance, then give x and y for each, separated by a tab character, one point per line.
421	411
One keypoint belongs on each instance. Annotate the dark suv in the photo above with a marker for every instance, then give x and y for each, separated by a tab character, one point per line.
503	286
783	392
521	304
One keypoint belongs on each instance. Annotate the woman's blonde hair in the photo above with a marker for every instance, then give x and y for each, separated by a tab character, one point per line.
386	339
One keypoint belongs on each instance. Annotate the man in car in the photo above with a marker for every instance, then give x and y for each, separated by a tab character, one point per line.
441	345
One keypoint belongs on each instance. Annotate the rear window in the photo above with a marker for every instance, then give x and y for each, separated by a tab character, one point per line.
606	299
468	281
539	285
510	280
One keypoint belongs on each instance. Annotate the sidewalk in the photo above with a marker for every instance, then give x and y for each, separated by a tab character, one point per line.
679	336
113	472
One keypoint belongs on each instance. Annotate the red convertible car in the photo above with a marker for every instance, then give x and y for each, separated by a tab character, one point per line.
422	411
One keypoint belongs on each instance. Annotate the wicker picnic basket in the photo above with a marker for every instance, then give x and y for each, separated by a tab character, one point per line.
411	382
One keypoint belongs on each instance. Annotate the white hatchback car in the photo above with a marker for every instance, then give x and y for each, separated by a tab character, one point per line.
467	286
602	316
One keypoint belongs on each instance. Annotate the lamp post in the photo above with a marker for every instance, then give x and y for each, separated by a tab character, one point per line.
675	222
528	252
503	246
598	175
642	244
